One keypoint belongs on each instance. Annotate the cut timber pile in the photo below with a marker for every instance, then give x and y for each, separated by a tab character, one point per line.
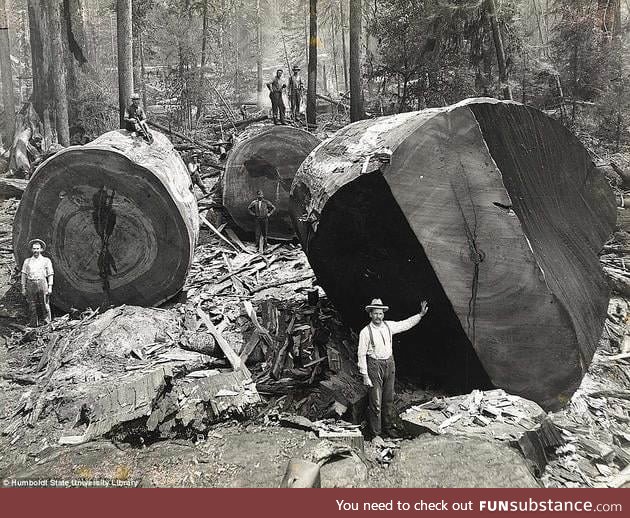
490	210
119	219
268	161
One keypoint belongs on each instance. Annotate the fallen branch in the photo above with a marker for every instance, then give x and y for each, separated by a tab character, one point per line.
239	124
216	231
232	357
333	101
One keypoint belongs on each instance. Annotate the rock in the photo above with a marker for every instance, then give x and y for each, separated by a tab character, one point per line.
448	461
346	472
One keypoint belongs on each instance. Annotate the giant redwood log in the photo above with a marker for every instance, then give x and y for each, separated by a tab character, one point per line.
490	210
267	161
119	219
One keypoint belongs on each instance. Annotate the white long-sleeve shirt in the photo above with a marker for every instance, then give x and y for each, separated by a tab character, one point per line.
381	349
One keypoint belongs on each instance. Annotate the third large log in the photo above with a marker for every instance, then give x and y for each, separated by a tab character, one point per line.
490	210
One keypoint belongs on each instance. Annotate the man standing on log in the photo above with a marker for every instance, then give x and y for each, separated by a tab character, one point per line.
296	89
37	284
262	210
376	363
276	85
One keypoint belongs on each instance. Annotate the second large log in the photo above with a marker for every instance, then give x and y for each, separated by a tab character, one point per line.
491	211
267	161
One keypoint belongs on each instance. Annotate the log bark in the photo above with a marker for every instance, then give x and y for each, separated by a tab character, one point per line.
119	218
492	212
268	161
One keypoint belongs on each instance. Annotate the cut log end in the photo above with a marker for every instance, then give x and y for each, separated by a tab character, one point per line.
464	207
268	162
119	219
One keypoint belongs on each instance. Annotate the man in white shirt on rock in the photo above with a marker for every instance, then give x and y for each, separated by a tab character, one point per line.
37	284
376	363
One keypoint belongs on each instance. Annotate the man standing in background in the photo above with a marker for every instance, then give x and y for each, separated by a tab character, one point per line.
296	89
262	210
275	86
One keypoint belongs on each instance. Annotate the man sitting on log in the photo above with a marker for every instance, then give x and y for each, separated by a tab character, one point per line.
376	364
37	284
135	119
262	210
276	85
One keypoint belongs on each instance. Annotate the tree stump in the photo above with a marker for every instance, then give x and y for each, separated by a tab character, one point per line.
491	211
267	161
119	218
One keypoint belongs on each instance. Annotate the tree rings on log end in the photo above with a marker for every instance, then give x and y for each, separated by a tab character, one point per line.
267	162
119	218
490	210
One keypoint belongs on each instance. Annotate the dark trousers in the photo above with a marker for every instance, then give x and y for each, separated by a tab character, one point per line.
261	227
38	303
381	396
296	99
277	105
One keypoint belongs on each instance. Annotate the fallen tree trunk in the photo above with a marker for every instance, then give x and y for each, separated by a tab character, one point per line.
119	218
12	187
492	212
237	124
330	100
267	161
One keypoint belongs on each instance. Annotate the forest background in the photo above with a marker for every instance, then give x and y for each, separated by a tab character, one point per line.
196	62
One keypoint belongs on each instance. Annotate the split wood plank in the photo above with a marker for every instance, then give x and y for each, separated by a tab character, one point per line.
232	357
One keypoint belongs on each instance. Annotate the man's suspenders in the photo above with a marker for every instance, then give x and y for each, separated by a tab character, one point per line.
371	344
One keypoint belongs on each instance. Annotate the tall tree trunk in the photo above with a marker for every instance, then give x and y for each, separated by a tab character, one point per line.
333	37
259	58
356	98
57	70
204	59
125	55
498	44
6	72
39	35
343	44
142	68
311	94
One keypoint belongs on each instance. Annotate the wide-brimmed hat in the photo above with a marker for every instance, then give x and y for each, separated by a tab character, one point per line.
135	95
296	67
33	241
376	304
